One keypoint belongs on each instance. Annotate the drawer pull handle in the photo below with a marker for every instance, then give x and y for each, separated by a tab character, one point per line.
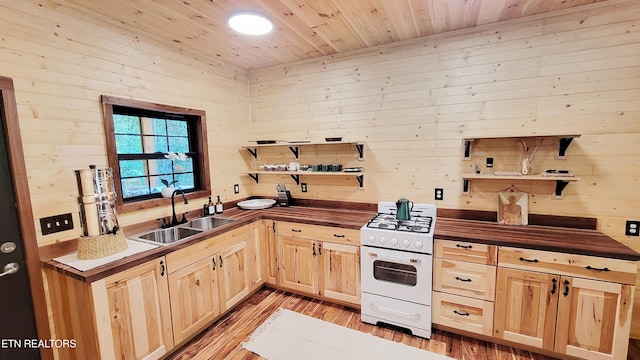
464	246
463	280
553	286
597	269
296	230
527	260
461	313
338	235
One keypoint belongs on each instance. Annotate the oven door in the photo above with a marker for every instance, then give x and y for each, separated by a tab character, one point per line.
396	274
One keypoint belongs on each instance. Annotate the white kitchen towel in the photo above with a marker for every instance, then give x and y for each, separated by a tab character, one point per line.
133	247
288	335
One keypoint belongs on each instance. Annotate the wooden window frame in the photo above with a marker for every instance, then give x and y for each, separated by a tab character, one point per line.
108	102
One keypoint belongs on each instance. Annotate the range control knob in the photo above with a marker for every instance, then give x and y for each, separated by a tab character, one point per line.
394	241
405	243
371	238
418	244
382	240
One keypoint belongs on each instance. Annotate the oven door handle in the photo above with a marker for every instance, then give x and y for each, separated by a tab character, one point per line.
388	311
397	259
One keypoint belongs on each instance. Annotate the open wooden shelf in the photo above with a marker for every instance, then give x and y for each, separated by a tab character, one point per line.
295	175
295	147
563	142
561	181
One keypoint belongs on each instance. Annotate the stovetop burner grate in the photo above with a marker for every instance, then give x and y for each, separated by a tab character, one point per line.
419	224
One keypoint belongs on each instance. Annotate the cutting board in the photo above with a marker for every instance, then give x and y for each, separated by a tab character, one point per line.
513	207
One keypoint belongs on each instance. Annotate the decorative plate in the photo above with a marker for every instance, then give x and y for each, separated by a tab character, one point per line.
256	204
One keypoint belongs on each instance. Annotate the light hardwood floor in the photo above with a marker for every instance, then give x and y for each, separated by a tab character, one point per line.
223	339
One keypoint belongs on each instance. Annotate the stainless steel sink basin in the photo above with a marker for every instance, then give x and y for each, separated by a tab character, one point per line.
168	236
208	223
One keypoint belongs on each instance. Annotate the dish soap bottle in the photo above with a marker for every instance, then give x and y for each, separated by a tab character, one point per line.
218	206
211	210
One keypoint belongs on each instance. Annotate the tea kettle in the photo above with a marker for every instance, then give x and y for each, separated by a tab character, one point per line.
404	208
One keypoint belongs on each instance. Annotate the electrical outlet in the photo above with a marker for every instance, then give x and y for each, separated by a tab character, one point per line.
489	163
236	189
632	228
303	187
56	223
439	194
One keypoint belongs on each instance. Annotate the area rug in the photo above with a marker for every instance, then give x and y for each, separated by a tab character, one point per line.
287	335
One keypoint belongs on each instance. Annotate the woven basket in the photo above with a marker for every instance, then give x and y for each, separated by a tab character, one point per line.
95	247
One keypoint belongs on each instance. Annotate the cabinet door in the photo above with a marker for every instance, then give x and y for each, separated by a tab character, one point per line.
194	297
233	275
298	269
340	271
133	319
525	308
257	255
271	251
594	318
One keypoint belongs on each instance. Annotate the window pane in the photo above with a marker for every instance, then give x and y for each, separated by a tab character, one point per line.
132	168
185	181
128	144
180	166
177	128
160	167
126	124
154	144
152	126
134	187
156	183
179	144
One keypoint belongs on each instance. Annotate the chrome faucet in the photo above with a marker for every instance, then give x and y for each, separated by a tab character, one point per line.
174	219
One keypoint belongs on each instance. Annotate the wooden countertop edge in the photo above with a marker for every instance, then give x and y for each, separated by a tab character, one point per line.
446	229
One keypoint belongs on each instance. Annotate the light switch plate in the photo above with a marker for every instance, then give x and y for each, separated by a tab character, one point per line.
56	223
236	188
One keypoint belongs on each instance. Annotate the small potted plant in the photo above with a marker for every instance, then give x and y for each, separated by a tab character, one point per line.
168	188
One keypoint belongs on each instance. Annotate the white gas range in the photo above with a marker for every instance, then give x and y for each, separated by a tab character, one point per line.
396	268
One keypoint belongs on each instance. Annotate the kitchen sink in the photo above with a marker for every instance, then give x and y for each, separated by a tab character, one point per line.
167	236
208	223
182	232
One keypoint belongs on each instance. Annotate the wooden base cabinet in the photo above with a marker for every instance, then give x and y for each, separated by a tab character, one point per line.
308	264
200	290
123	316
560	312
264	259
464	281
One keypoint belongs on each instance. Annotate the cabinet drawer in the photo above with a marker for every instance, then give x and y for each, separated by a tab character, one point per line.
465	251
462	278
463	313
591	267
178	259
318	232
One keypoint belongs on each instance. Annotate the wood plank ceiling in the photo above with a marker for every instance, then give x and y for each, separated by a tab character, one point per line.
304	29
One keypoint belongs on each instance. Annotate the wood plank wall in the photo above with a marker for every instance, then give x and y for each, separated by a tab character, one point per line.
571	72
62	61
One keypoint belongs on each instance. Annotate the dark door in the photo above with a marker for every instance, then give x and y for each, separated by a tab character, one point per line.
18	337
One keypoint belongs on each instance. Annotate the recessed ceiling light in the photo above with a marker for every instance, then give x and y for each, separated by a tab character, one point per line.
250	23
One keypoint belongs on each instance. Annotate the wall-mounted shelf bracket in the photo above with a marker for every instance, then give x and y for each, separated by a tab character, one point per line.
360	148
560	185
467	149
253	152
295	150
296	178
360	179
254	177
563	144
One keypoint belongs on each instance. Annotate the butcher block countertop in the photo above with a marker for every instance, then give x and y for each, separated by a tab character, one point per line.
574	241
